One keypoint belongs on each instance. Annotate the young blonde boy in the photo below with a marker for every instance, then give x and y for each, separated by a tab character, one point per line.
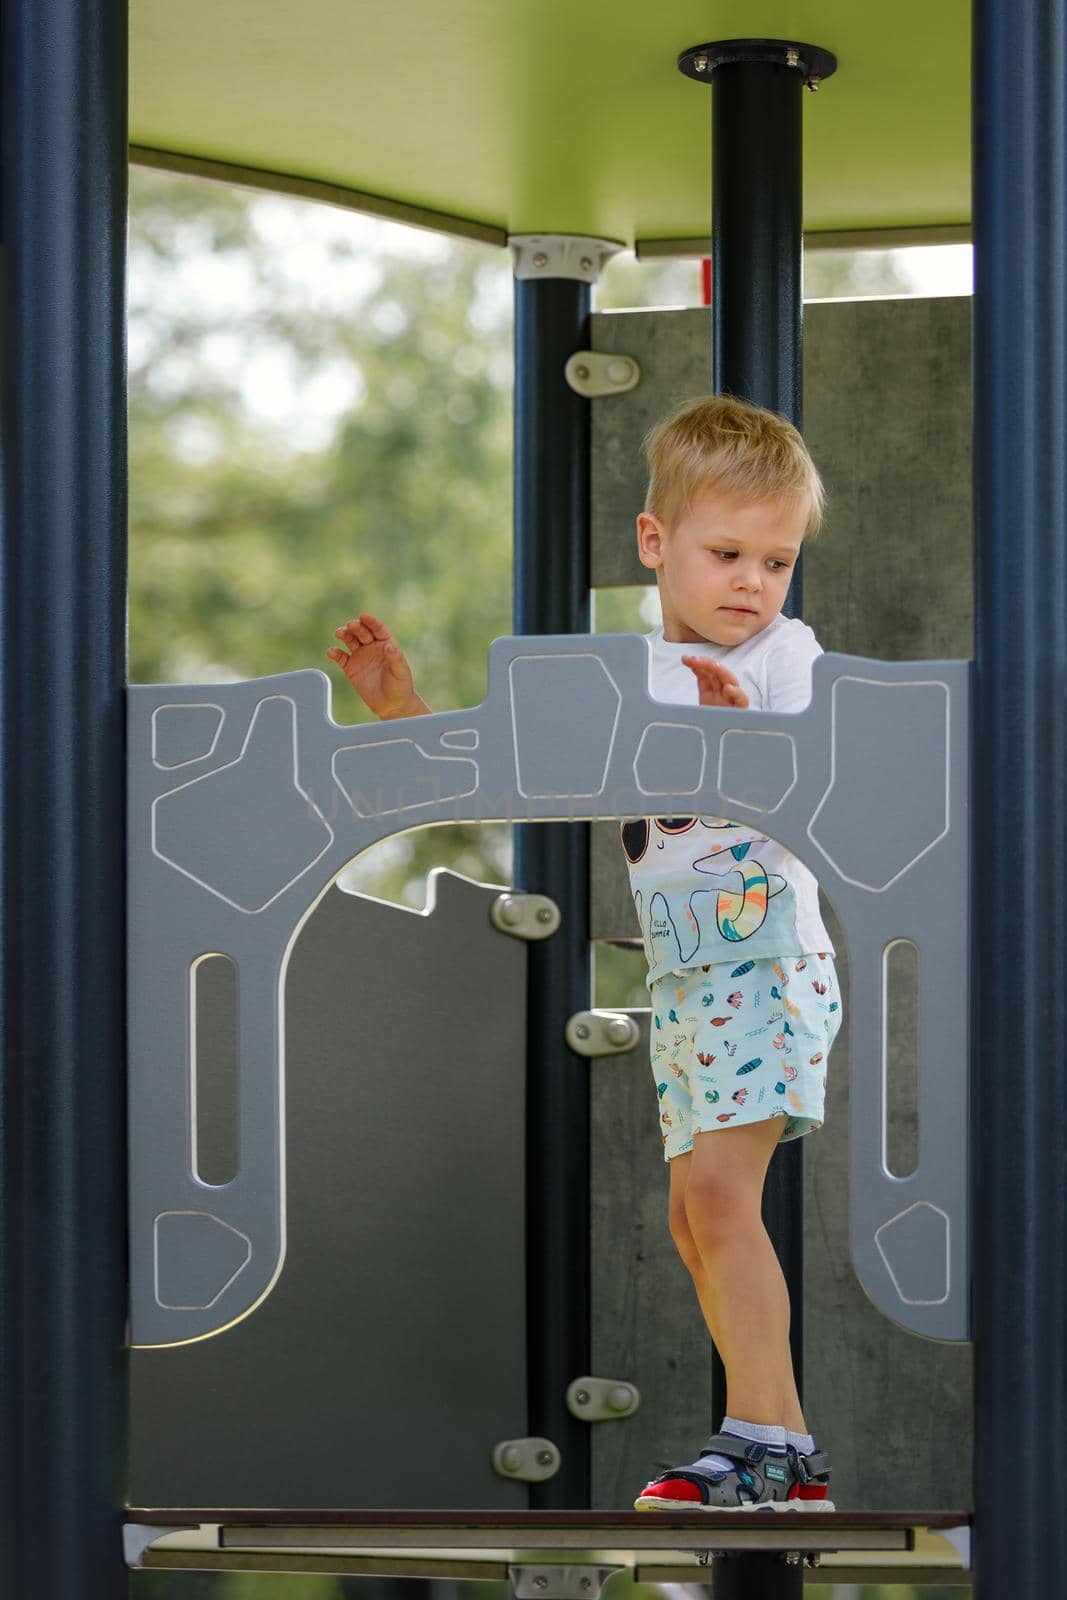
745	1000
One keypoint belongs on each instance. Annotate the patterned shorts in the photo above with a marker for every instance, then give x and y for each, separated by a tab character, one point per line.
736	1043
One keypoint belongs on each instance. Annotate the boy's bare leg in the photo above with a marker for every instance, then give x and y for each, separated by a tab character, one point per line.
792	1415
715	1220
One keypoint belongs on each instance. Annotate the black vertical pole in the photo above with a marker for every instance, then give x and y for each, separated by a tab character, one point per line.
63	1294
1018	773
552	429
757	311
757	258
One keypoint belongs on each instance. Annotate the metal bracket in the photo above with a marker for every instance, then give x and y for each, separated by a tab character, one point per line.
533	1460
559	1583
602	1399
792	1558
137	1536
590	373
561	255
601	1033
525	916
813	63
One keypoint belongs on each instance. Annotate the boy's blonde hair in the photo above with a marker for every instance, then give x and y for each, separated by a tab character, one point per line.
729	446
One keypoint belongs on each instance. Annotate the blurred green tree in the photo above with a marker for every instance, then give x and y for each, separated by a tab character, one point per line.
249	546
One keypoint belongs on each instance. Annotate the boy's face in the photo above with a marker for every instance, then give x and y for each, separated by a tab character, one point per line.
724	569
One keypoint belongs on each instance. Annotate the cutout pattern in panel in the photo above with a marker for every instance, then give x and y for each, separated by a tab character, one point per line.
867	785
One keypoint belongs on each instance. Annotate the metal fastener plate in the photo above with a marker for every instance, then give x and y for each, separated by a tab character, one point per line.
601	1033
593	373
533	1460
602	1399
525	916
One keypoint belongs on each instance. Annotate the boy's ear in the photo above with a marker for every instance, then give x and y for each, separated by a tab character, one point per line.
650	532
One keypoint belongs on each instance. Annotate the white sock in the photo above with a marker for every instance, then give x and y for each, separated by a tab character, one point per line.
768	1433
802	1443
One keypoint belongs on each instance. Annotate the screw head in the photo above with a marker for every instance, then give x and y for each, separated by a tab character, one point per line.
792	58
540	1582
586	1583
540	259
544	915
813	84
582	372
544	1458
700	63
582	1397
581	1030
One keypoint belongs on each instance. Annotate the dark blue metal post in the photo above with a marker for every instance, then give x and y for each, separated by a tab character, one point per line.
63	1294
757	314
552	428
757	256
1019	773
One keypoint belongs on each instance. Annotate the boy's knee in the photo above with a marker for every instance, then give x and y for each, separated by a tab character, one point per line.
714	1206
682	1234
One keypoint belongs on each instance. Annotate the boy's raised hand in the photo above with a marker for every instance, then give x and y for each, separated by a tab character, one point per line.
716	684
376	667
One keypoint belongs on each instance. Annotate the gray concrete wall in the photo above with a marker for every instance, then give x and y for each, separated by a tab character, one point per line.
887	419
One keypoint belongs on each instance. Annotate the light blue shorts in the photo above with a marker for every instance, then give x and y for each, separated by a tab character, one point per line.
736	1043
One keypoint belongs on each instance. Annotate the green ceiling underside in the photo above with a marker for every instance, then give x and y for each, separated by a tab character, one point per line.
566	116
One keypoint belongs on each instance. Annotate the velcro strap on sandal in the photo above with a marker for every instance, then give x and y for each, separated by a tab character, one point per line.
727	1444
816	1465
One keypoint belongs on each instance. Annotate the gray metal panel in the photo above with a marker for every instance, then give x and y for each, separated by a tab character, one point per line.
390	1356
231	858
887	415
865	1379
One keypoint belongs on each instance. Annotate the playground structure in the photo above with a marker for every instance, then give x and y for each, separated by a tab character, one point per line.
207	879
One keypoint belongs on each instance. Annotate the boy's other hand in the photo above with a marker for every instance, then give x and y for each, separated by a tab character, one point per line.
376	667
716	684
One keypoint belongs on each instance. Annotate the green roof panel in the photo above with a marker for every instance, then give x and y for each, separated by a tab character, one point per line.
525	116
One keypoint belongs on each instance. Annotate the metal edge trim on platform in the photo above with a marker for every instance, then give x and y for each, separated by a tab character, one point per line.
775	1533
780	1532
525	1527
917	1566
916	1547
361	1566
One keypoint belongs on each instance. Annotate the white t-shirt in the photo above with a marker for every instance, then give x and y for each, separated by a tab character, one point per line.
707	889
